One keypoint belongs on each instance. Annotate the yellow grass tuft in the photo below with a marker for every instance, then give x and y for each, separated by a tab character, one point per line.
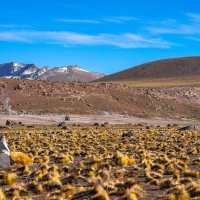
123	159
9	178
101	194
2	195
21	158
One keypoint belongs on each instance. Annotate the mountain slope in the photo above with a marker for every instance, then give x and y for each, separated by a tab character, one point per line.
167	68
31	71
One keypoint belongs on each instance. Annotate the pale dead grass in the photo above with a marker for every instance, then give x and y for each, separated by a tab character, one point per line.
163	82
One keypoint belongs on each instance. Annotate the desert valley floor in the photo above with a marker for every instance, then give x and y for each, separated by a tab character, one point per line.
101	162
89	119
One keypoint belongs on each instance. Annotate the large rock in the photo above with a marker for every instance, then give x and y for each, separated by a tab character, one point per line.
9	123
188	128
67	118
5	159
19	87
129	134
62	124
105	124
65	128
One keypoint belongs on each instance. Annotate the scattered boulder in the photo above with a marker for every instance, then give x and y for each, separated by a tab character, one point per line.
129	134
187	128
19	87
62	124
5	159
9	123
151	126
4	86
65	128
96	124
174	125
106	124
142	124
67	118
31	126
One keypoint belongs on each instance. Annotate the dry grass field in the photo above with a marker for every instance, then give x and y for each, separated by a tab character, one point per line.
164	82
102	162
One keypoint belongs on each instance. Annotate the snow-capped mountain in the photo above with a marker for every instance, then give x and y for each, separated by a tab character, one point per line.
72	73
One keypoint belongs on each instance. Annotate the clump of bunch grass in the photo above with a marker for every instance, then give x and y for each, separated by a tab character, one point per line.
101	194
2	195
21	158
123	159
133	193
9	178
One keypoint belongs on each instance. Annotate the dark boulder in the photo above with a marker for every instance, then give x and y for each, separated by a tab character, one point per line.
62	124
142	124
9	123
129	134
96	124
188	128
174	125
105	124
20	123
67	118
31	126
65	128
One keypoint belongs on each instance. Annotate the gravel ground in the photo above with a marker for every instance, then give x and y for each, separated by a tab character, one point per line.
51	119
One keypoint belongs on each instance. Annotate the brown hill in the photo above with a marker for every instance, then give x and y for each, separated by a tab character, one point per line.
167	70
81	98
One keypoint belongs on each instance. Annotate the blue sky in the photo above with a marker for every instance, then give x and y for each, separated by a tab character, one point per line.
105	35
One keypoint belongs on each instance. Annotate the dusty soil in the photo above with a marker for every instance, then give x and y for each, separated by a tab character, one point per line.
53	119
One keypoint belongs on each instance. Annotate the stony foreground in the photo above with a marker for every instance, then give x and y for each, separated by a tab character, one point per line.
103	162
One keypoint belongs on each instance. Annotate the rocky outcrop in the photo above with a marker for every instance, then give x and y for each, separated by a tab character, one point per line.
5	159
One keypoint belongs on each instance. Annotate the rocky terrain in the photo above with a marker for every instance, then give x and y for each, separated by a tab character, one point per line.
89	98
71	73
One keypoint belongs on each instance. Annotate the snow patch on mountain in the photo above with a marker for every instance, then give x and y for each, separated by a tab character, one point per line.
71	73
80	69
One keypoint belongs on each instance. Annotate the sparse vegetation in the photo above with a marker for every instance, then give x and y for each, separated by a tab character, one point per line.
97	162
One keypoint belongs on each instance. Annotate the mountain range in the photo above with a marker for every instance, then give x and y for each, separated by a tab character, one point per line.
167	88
167	72
72	73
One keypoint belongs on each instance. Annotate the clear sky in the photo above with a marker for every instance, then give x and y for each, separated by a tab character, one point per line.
99	35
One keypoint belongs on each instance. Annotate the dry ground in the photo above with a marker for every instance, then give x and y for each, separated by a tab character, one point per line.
55	119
